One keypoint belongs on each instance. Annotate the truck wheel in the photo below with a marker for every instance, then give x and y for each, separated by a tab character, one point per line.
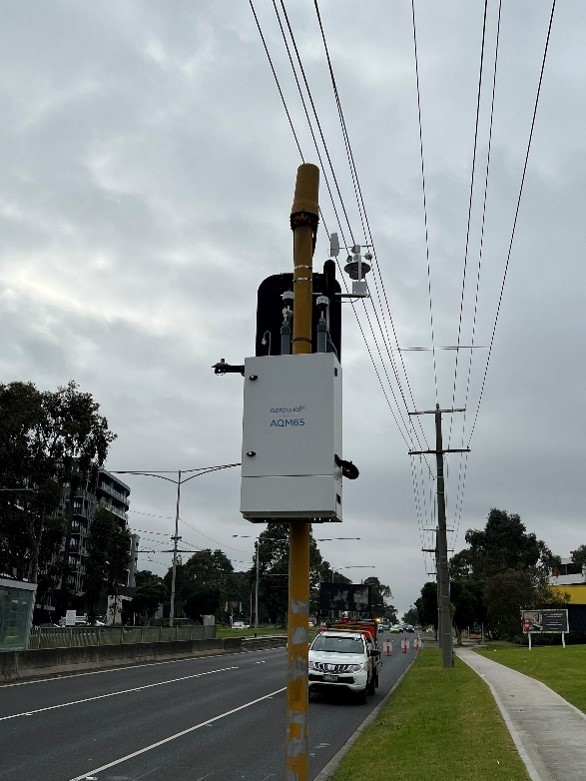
363	696
370	686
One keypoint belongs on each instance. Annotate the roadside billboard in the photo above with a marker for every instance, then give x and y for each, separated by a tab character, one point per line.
543	621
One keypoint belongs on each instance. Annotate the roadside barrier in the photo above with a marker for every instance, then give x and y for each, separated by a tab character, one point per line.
23	665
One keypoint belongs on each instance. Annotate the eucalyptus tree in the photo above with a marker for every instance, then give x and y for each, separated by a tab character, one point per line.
48	440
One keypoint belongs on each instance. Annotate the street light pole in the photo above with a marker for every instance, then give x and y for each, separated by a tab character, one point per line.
198	472
175	541
257	543
257	547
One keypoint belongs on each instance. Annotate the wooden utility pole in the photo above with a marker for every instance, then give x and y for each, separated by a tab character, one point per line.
304	220
445	628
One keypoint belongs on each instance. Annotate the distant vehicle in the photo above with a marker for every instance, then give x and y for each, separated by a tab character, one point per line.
240	625
48	626
384	626
409	628
396	629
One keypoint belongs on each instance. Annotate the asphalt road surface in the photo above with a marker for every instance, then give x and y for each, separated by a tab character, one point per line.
220	718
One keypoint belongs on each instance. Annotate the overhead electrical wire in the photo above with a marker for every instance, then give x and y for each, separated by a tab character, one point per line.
424	194
406	432
464	461
517	208
376	270
366	225
466	248
324	171
469	219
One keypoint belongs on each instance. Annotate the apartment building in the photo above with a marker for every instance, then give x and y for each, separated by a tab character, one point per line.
109	492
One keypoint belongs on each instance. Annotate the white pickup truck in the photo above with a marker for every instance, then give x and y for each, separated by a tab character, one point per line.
341	659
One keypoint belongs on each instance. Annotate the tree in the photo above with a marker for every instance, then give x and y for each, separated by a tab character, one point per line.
379	593
108	558
506	593
427	605
47	440
273	552
204	579
467	605
150	593
579	556
481	573
411	616
504	544
205	600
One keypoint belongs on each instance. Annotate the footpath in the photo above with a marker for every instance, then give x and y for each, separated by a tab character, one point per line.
549	732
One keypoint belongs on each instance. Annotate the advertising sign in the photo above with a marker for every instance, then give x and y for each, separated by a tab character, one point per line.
543	621
70	617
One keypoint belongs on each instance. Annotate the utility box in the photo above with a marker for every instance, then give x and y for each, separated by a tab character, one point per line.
292	433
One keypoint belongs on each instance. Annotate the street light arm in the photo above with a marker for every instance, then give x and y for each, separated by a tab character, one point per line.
207	470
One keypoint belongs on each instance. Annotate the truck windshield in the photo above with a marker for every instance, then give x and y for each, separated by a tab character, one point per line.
341	645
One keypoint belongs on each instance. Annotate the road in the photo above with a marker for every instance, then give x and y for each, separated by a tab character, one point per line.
220	718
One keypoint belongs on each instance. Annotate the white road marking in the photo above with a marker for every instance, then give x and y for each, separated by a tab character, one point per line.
114	694
177	735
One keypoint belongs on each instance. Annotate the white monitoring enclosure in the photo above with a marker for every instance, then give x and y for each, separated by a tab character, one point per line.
292	433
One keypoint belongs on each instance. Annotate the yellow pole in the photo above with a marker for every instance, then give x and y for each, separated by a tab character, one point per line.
304	219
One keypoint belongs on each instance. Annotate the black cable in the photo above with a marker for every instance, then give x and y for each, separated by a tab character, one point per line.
273	71
424	193
368	234
470	199
514	221
464	462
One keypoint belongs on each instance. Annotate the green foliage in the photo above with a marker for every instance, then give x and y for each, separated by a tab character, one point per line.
579	556
503	569
426	605
150	593
205	600
273	557
207	577
108	558
379	593
47	440
468	608
504	544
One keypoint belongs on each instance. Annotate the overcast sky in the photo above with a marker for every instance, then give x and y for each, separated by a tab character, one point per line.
147	175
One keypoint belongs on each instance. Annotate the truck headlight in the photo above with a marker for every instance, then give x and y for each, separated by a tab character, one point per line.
312	665
355	668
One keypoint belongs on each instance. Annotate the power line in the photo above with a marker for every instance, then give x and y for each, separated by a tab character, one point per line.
464	462
424	194
515	218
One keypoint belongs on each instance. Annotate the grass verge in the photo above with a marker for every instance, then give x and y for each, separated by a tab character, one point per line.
562	669
440	724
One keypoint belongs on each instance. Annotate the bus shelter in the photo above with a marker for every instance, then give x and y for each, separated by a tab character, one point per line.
17	600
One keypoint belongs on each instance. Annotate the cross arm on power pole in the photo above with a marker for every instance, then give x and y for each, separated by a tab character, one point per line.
435	452
433	411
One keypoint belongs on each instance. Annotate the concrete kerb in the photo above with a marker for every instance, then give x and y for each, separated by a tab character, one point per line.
327	773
